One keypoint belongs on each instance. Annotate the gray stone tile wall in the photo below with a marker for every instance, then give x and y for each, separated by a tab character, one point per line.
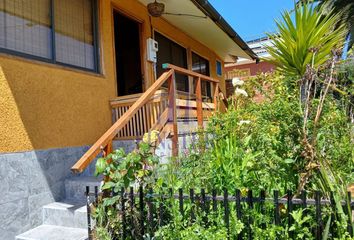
30	180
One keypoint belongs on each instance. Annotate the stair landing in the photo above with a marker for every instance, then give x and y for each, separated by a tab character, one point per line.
50	232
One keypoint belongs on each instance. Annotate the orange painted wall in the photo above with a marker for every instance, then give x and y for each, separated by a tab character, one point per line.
48	106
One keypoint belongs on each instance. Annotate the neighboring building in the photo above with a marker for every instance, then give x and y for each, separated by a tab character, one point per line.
245	68
63	62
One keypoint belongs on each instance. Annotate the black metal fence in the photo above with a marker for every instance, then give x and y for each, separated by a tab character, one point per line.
152	209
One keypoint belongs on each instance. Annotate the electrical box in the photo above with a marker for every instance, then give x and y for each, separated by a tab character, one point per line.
152	48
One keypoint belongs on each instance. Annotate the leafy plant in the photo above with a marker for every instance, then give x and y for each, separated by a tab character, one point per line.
300	36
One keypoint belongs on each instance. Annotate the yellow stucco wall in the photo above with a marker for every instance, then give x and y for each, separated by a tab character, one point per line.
48	106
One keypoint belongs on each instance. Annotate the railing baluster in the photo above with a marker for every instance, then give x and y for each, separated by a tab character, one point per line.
262	208
172	116
216	95
318	215
198	92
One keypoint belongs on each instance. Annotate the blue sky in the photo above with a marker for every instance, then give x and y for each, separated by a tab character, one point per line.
252	18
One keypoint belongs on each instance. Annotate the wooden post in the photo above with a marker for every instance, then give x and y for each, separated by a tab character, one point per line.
198	92
216	95
172	113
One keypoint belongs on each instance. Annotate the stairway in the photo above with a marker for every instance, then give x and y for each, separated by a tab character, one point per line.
67	219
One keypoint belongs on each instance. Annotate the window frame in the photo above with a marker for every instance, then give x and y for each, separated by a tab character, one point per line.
218	62
53	60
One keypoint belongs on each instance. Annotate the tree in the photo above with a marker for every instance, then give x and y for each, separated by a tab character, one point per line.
307	38
346	10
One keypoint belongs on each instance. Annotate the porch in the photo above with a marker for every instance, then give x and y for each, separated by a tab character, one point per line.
157	109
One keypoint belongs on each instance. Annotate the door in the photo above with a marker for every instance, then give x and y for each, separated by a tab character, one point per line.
171	52
128	58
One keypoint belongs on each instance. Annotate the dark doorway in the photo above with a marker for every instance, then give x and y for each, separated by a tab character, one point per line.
128	59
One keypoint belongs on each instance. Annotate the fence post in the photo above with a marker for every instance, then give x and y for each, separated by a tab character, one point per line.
161	210
132	205
226	211
141	209
262	207
290	209
250	220
150	206
180	197
239	210
318	215
191	196
88	208
215	204
349	214
276	207
203	206
123	212
304	199
333	223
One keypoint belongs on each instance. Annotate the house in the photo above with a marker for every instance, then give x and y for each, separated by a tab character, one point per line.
245	68
66	66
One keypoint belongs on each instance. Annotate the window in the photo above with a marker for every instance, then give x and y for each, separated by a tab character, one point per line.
171	52
201	65
218	68
56	31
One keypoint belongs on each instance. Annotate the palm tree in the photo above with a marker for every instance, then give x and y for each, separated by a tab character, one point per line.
345	8
306	38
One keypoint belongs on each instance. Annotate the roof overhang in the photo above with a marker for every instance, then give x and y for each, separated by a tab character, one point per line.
212	31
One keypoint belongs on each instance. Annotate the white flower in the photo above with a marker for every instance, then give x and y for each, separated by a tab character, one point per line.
237	82
239	92
244	122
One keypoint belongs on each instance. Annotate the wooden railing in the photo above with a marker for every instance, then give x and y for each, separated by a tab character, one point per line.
145	119
153	110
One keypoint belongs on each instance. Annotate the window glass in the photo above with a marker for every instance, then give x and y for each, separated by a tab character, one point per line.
25	26
201	65
218	68
74	39
171	52
26	29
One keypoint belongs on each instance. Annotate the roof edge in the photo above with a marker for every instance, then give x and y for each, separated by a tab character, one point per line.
214	15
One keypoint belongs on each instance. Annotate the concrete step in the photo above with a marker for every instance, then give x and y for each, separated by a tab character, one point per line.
75	187
65	214
47	232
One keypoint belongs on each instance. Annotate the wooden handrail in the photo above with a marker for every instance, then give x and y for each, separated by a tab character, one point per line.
108	136
189	73
104	143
